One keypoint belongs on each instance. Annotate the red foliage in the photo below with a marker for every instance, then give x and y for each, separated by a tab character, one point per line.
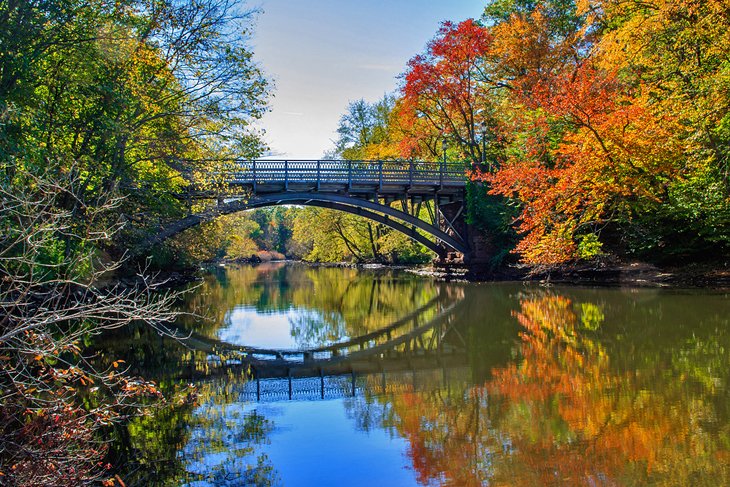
445	90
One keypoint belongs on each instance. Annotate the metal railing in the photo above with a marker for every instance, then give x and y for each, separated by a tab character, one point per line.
380	173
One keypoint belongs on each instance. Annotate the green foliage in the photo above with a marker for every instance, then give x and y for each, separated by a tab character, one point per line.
230	236
333	236
275	226
366	132
589	246
363	129
492	216
563	19
108	112
108	94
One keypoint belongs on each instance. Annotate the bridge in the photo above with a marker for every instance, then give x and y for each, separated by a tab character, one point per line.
427	339
424	200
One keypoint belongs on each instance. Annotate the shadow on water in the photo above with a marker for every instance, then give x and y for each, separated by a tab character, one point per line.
524	385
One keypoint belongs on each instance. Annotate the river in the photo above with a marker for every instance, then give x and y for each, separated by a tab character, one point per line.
458	384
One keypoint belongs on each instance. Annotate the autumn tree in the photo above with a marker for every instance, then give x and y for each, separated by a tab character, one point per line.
602	149
678	52
452	93
612	151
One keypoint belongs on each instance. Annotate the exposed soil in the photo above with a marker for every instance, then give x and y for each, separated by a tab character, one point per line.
614	273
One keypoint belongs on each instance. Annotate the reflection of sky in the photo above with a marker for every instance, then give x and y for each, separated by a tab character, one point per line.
244	325
293	328
315	443
310	443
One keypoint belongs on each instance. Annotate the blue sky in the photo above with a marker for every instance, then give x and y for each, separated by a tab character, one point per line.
321	54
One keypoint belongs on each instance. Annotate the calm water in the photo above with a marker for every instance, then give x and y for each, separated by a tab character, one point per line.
504	384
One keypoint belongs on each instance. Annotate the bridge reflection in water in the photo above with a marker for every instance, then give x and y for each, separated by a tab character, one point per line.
423	347
421	377
569	386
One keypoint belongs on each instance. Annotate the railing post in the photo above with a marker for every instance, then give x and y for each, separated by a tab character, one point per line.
349	175
254	175
441	173
318	170
380	175
410	174
286	175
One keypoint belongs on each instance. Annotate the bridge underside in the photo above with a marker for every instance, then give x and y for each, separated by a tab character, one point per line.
377	209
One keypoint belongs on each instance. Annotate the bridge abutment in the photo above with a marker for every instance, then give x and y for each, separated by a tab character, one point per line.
452	219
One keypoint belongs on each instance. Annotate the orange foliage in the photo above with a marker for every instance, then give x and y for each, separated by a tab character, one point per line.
613	149
446	91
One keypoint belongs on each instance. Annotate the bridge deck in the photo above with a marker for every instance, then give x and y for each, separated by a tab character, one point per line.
383	177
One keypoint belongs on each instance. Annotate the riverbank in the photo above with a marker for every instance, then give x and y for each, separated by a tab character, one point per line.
616	273
598	273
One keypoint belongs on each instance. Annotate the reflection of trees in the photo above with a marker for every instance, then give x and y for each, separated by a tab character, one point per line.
312	328
167	446
222	442
332	303
574	419
561	412
214	442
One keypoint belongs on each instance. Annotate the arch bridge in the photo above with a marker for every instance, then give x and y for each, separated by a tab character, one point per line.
419	199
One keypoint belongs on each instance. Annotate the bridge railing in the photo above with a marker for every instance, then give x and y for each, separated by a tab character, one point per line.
347	172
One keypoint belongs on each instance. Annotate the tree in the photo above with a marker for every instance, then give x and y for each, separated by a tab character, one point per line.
339	237
139	98
677	50
367	131
56	404
612	154
230	236
108	110
605	146
451	93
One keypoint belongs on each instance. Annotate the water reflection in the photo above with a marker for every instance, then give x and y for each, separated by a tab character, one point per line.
560	386
278	305
608	392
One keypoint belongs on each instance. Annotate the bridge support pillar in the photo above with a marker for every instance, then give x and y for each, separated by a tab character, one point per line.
452	219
